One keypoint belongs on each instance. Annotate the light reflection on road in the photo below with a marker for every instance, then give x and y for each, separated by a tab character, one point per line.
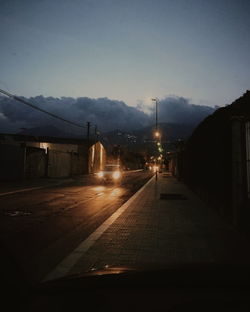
112	191
99	188
99	194
116	192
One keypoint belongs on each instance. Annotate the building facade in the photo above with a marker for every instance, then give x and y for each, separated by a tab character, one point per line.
24	157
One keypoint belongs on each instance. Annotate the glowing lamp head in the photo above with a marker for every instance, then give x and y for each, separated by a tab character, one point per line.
157	134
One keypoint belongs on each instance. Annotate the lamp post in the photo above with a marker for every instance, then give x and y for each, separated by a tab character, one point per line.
157	133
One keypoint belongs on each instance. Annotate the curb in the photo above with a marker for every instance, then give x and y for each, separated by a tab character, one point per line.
69	261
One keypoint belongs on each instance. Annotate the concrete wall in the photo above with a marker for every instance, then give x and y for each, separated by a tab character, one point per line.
247	131
36	162
56	146
79	164
59	164
176	163
237	174
54	163
29	159
240	170
10	140
12	162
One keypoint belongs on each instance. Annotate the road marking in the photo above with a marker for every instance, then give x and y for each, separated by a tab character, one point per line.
67	263
34	188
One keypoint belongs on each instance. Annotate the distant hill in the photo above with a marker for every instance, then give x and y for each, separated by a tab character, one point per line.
48	131
169	131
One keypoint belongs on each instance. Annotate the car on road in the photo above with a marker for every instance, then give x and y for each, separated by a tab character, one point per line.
111	173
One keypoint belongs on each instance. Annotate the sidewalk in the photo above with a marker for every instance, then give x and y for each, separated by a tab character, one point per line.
150	231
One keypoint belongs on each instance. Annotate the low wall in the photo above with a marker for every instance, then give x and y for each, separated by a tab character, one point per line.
12	159
36	161
59	165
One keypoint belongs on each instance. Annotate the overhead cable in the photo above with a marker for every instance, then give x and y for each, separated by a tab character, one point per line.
40	109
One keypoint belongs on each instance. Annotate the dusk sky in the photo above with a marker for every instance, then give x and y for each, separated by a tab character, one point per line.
126	50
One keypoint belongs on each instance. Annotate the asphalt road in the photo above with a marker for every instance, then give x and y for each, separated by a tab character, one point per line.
41	227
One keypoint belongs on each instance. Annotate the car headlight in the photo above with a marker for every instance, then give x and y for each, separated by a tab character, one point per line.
100	174
155	168
116	175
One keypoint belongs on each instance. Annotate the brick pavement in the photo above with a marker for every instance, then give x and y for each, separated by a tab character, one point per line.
157	232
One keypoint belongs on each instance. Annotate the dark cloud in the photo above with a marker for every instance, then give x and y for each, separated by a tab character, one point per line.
7	126
179	110
107	114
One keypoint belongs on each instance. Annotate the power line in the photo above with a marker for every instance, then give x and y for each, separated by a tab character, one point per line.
40	109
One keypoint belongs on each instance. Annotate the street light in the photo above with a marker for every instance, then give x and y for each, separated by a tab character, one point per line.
157	133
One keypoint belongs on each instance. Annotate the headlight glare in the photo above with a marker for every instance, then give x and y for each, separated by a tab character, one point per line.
100	174
116	175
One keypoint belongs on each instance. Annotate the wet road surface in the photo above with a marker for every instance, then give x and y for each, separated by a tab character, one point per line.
42	226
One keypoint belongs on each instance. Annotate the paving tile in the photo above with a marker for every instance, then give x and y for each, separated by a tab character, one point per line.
161	232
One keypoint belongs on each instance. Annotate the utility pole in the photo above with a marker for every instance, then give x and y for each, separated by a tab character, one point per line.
156	116
88	131
96	133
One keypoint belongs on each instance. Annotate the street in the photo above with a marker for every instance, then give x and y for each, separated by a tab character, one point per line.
162	225
41	227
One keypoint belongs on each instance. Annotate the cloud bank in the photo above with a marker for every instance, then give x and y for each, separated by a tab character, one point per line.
179	110
105	113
